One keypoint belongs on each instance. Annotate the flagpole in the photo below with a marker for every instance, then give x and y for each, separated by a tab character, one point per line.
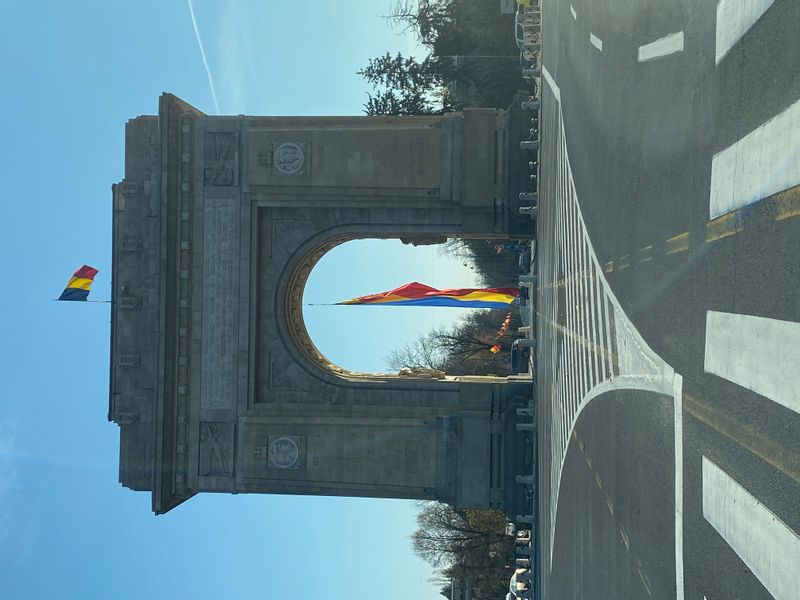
92	301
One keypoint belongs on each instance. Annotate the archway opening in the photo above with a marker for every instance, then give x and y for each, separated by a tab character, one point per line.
373	340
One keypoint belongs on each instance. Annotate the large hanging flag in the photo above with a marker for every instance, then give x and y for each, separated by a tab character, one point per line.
79	284
419	294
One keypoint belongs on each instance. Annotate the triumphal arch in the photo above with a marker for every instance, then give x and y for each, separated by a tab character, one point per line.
215	384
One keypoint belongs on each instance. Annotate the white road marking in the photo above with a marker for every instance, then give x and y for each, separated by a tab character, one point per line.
757	353
677	396
574	14
764	543
551	82
577	330
764	162
625	539
643	576
734	19
662	47
596	41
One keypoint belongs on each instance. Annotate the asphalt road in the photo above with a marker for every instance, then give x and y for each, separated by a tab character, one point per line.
645	106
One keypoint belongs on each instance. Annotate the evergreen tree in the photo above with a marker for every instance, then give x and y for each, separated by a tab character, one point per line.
428	19
405	86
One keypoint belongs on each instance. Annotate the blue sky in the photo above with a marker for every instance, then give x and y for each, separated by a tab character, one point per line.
73	73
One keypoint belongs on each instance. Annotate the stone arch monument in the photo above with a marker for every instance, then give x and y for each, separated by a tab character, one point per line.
214	382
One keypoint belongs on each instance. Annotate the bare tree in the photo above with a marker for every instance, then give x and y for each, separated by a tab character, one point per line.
425	353
465	545
441	530
463	349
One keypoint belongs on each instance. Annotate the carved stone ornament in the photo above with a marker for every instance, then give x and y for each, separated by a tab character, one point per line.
220	158
284	452
288	158
216	449
423	373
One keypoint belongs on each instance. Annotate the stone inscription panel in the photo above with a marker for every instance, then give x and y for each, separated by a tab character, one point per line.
380	157
220	304
341	453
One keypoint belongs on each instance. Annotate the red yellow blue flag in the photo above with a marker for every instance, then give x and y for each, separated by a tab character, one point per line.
419	294
79	284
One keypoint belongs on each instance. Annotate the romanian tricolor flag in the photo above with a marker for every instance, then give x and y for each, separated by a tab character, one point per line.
419	294
79	284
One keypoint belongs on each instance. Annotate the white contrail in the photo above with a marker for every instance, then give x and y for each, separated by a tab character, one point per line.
203	54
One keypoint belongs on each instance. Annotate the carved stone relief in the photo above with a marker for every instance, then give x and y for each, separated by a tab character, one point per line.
277	374
288	158
280	376
284	452
216	449
220	159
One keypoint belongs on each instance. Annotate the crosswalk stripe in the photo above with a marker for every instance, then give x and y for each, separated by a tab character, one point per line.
734	20
764	543
608	337
585	319
764	162
757	353
578	306
594	296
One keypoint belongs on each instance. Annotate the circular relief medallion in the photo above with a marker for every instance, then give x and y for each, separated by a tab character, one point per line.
283	453
289	158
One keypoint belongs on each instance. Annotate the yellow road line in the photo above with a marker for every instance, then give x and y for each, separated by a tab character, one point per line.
679	243
625	539
724	226
788	204
746	436
624	262
645	254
